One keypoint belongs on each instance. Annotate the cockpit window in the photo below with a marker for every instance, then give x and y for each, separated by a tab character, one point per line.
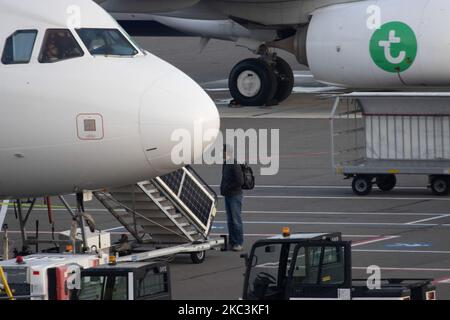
106	42
19	47
58	45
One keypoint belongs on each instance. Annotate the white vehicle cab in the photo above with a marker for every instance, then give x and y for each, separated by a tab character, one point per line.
45	276
83	106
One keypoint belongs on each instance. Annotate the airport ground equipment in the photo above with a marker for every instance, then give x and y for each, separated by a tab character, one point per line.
23	210
168	215
54	277
377	136
5	285
173	213
314	266
44	276
125	281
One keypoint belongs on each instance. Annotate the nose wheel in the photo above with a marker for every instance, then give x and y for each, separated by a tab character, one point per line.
285	79
257	82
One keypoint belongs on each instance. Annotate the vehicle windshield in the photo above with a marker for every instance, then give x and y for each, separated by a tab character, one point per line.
103	288
106	42
319	266
267	277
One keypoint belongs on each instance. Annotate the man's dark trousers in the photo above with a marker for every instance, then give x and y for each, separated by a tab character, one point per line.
233	205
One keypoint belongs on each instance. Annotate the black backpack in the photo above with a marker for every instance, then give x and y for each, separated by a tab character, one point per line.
249	178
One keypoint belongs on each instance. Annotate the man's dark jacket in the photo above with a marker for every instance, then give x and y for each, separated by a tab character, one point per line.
232	179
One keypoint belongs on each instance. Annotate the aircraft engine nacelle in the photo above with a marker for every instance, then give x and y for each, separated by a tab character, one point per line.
379	44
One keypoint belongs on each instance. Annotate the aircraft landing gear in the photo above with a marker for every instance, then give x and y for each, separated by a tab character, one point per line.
261	81
285	78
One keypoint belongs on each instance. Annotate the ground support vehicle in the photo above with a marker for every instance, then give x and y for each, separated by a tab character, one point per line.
378	136
315	266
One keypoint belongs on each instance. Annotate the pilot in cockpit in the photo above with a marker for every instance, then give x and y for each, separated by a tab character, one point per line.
60	45
52	52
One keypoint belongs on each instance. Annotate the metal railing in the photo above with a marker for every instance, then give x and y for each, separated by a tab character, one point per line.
191	195
348	142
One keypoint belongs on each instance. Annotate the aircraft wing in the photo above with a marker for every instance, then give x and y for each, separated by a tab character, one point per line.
148	6
264	12
153	6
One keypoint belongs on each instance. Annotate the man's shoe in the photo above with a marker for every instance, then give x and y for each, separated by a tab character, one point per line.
237	248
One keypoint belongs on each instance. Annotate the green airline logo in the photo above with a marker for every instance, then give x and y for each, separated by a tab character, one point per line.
393	47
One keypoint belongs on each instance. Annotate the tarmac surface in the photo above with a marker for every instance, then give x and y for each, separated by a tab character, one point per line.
406	231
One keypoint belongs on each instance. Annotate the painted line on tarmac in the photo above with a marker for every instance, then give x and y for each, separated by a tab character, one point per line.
392	224
289	212
317	187
370	241
262	235
407	269
401	251
429	219
346	198
277	234
57	232
339	213
267	234
116	230
444	280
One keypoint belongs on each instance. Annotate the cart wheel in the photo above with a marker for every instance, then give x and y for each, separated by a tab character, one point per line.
386	182
198	257
362	185
440	185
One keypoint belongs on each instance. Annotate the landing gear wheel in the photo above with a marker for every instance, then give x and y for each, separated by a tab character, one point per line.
252	82
198	257
386	182
440	185
362	185
285	78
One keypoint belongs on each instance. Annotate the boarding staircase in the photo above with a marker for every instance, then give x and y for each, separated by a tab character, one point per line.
175	208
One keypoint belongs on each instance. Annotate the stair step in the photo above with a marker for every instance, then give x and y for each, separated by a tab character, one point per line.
164	222
152	190
152	229
162	226
121	197
156	230
152	214
150	187
147	205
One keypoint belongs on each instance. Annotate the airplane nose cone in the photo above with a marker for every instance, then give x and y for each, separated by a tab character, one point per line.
178	122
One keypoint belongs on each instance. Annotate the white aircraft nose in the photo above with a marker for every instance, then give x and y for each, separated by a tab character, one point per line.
178	121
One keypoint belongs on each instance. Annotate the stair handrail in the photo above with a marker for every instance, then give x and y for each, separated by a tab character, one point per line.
168	192
110	197
199	177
